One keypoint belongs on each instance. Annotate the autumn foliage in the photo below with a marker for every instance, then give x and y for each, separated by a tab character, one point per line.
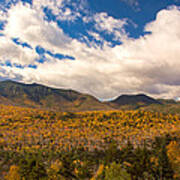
38	144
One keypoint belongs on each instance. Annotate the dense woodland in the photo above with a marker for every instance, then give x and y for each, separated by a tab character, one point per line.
97	145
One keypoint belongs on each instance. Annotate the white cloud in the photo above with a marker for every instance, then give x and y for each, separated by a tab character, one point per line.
54	5
15	53
149	64
68	15
95	35
110	25
2	16
59	9
28	24
154	58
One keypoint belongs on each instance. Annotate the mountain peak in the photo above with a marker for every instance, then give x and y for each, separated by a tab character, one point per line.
135	100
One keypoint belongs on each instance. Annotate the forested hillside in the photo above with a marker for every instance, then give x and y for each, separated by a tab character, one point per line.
39	144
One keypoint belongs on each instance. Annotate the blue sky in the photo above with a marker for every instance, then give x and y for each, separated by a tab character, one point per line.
104	48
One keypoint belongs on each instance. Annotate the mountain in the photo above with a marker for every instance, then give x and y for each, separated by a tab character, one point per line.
39	96
134	100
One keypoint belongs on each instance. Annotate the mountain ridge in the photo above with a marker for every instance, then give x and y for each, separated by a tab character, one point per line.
41	96
37	95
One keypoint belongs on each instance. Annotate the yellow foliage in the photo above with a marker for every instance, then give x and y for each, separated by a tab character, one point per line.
33	129
56	165
53	171
98	172
173	152
13	173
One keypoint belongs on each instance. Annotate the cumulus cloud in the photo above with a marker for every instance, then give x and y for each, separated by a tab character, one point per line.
154	58
28	24
149	64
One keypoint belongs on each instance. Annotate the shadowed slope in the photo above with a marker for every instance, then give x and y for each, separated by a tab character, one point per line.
35	95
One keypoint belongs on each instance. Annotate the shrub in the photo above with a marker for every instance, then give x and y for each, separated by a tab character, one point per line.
115	172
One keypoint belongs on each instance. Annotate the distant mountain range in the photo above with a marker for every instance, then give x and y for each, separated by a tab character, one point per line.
40	96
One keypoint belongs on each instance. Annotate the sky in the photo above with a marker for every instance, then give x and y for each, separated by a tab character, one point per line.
105	48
